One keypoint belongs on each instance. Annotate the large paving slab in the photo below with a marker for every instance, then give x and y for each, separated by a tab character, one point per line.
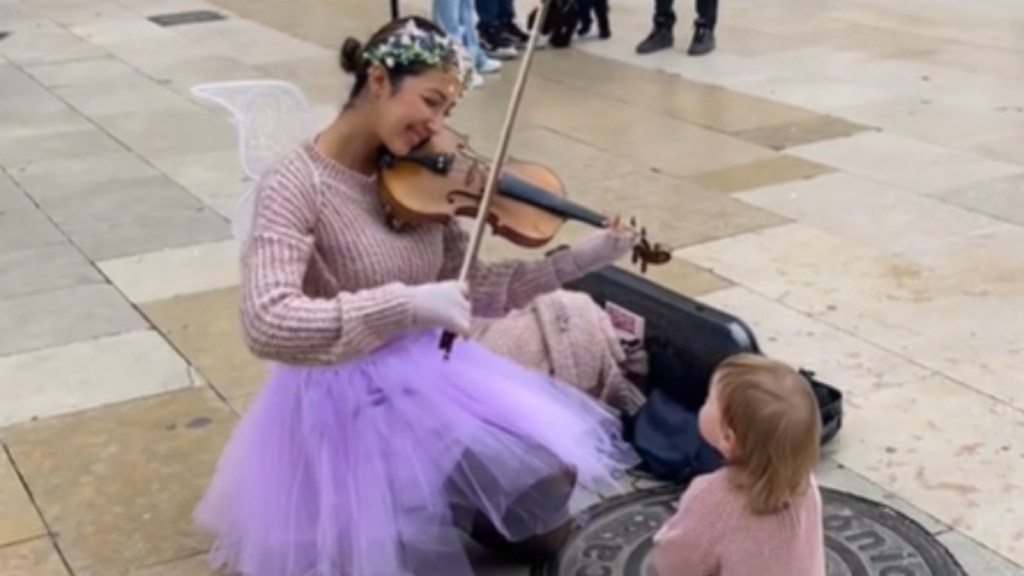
22	225
175	272
125	217
47	319
89	373
19	519
49	176
117	485
869	212
34	558
207	329
999	198
759	173
911	164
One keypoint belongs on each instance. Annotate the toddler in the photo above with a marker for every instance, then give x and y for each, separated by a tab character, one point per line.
761	513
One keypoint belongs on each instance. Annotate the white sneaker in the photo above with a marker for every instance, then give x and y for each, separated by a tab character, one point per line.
490	66
475	80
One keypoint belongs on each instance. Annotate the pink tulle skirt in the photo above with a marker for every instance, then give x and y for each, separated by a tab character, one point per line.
356	469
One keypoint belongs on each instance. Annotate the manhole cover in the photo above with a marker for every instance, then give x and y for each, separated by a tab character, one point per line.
189	17
862	538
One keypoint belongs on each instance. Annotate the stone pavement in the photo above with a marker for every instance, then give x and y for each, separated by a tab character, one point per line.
845	176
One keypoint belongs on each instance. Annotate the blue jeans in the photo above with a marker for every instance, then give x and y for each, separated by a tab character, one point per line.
458	19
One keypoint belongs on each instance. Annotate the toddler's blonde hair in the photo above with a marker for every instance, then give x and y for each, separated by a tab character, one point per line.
772	411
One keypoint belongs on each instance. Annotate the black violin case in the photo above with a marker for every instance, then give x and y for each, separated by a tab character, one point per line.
685	340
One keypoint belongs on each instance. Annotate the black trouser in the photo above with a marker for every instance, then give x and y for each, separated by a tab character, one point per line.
665	16
468	484
491	14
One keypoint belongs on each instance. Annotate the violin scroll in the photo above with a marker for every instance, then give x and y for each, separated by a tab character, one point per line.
646	253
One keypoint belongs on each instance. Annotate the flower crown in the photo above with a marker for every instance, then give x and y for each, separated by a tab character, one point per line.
413	45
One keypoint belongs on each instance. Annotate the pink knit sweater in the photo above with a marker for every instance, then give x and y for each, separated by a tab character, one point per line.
323	272
713	534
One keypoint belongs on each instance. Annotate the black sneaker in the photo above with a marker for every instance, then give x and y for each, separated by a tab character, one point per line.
586	23
496	45
515	34
660	38
703	40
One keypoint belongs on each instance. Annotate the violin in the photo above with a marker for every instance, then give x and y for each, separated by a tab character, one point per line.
523	202
444	178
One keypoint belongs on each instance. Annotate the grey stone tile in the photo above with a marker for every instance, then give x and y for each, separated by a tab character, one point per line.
84	141
250	42
22	96
837	476
44	42
22	225
67	175
113	219
51	176
64	316
152	133
23	125
103	70
65	379
133	93
214	177
38	270
72	14
977	560
182	75
1002	198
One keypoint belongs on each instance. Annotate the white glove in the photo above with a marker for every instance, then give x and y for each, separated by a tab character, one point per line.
444	304
603	248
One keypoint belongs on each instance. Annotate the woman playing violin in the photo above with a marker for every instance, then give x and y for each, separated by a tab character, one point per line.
367	453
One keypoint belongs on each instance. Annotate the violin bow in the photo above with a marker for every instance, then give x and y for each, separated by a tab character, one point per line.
498	160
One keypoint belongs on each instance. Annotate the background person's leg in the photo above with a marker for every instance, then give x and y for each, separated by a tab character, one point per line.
509	28
448	15
445	14
704	28
489	13
661	37
468	21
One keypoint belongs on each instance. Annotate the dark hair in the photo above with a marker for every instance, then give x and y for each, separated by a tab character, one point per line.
353	62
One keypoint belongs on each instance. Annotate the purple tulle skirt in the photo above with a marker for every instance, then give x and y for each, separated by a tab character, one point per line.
360	468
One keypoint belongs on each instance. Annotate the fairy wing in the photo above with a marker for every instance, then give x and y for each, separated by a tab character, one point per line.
272	117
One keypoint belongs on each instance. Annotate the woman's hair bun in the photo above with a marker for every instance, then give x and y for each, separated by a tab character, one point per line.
351	57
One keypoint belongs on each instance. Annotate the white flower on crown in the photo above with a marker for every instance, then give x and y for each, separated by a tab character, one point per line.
412	41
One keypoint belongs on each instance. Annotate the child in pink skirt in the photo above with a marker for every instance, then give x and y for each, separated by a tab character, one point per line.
760	515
